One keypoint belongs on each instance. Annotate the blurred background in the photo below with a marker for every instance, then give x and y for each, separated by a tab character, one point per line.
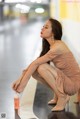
21	12
20	43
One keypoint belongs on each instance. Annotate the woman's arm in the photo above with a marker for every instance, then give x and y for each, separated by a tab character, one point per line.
31	69
41	60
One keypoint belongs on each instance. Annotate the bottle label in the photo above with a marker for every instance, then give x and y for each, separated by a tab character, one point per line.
16	103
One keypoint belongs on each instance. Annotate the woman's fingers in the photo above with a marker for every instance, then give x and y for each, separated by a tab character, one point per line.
15	85
18	86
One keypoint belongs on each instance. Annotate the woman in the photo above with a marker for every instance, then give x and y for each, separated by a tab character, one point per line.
63	77
78	98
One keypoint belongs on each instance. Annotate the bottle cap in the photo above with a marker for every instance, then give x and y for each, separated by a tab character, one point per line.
16	95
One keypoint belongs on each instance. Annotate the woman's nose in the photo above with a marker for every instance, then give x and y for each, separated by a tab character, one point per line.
42	29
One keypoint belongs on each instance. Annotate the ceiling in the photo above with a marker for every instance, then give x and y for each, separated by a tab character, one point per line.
28	1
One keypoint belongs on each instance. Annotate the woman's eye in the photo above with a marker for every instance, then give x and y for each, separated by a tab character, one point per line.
46	27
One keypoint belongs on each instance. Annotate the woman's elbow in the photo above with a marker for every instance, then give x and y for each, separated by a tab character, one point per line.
35	64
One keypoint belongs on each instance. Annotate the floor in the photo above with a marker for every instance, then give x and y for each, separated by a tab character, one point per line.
19	46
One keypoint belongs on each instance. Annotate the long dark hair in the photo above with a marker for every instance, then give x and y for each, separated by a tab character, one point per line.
57	31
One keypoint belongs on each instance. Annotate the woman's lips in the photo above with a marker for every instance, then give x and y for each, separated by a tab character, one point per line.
41	33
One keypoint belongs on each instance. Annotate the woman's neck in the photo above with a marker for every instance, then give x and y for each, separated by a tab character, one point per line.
51	42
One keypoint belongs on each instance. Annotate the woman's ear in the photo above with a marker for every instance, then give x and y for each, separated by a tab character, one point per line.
52	37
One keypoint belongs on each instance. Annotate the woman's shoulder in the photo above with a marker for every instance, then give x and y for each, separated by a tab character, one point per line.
60	45
57	44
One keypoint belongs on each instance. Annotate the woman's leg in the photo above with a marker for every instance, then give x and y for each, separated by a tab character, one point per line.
78	95
37	76
54	100
78	98
49	74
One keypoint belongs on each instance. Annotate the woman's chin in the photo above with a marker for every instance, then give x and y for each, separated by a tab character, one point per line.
41	36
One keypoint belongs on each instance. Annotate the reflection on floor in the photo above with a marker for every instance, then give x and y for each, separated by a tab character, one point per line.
62	115
18	48
16	114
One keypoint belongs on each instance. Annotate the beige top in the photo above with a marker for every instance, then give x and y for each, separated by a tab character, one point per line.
68	78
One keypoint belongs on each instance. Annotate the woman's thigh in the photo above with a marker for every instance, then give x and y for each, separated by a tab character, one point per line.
37	76
47	68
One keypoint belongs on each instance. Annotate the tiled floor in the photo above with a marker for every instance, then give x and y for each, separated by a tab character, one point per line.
18	48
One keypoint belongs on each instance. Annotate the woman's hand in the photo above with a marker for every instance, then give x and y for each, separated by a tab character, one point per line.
19	85
16	84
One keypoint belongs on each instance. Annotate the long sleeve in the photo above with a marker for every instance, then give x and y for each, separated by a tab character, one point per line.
41	60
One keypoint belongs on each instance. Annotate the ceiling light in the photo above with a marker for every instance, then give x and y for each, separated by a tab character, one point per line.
38	1
32	0
13	1
24	11
23	7
39	10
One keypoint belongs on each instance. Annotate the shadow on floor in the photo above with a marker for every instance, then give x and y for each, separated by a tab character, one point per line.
62	115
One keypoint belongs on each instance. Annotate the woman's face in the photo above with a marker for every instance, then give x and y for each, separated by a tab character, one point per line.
46	31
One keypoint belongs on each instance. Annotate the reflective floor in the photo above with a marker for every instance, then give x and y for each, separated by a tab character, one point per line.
19	46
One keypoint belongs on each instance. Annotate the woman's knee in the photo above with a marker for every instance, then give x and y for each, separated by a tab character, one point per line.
42	67
34	75
46	67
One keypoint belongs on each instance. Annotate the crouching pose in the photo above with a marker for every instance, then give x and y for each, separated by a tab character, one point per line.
64	77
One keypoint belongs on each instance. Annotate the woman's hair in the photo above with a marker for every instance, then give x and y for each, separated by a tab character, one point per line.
57	31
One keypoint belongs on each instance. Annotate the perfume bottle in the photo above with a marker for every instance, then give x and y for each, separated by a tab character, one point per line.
16	101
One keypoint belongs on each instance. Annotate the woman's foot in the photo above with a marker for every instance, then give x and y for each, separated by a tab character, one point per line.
76	102
52	102
61	103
